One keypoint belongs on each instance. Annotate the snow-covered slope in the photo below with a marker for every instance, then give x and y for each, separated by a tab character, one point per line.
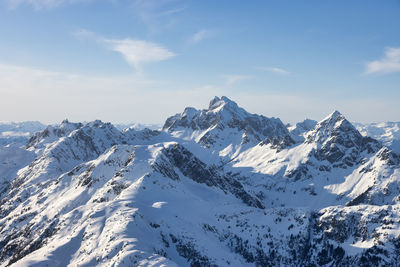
12	159
215	187
328	168
386	132
302	128
18	133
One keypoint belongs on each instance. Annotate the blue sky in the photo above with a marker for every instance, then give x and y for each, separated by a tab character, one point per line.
142	61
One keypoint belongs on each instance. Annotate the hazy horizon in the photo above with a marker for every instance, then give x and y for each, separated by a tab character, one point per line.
201	108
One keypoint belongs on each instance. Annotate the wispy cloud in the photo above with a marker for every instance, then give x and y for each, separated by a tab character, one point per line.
201	35
232	79
388	64
275	70
136	52
158	15
83	34
39	4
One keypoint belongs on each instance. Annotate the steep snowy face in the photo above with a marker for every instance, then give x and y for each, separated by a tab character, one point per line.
339	142
78	145
226	127
81	145
374	182
12	159
51	134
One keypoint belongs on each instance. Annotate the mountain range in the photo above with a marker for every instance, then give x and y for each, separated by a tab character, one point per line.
212	187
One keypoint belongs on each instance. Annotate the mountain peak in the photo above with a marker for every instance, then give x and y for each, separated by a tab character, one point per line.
335	115
189	112
339	140
51	133
334	124
335	120
225	118
217	103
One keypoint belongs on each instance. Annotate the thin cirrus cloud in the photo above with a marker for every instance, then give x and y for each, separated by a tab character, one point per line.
38	4
275	70
200	36
390	62
158	15
136	53
233	79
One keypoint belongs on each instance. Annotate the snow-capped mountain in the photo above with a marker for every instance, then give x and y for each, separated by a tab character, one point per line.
214	187
227	129
137	126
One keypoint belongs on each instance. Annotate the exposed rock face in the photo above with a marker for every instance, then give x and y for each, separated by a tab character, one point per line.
193	168
339	141
212	127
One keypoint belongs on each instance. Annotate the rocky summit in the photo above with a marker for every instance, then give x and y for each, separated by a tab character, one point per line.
214	187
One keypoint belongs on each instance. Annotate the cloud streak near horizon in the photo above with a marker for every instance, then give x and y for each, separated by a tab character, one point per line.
233	79
275	70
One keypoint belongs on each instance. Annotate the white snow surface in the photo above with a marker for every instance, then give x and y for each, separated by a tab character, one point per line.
386	132
18	133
